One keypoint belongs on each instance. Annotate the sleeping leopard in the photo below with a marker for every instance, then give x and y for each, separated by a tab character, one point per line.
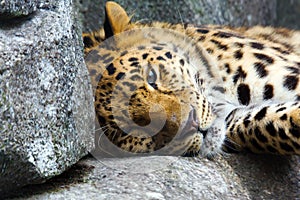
183	89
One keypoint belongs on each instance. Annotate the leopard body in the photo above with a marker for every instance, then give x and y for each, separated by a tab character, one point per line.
215	88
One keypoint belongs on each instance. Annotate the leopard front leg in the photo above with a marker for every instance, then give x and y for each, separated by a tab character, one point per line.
269	128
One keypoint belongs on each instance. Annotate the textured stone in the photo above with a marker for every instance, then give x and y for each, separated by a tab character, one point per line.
46	102
17	8
224	12
232	177
288	14
284	13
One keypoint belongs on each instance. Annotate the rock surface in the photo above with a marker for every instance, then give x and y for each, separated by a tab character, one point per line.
46	102
231	177
226	12
288	14
17	8
280	13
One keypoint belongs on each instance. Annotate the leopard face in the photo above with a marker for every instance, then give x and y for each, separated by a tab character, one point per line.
147	96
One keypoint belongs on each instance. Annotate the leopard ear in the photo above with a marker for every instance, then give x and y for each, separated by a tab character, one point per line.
116	19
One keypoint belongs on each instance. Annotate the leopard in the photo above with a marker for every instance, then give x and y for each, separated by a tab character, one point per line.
184	89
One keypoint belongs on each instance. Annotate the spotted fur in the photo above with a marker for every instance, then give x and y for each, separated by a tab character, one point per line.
215	87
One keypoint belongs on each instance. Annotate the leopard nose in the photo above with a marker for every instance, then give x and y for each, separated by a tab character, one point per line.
193	118
191	125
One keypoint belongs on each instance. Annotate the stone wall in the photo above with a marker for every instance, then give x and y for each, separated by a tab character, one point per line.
284	13
46	102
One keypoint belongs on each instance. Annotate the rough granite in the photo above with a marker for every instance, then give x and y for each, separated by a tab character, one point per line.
280	13
46	102
288	14
230	177
223	12
17	8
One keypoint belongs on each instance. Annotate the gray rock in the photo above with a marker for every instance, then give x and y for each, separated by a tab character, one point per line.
46	102
17	8
279	13
232	177
223	12
288	14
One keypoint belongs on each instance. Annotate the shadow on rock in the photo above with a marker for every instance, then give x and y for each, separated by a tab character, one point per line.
268	176
75	175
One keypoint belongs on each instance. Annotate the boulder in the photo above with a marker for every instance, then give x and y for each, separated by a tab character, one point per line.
46	101
235	177
225	12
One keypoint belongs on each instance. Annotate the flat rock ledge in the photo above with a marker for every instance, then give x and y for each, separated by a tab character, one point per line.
243	176
46	101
